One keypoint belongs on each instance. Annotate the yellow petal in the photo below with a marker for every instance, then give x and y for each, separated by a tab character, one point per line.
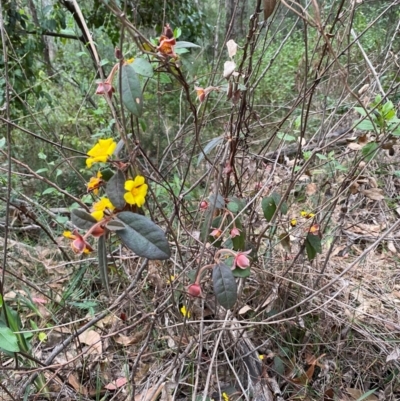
89	162
129	184
129	198
98	214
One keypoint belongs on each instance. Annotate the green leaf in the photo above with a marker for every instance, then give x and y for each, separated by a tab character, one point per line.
143	237
378	99
103	266
268	207
115	225
233	206
131	92
386	108
2	142
182	51
364	125
143	67
115	189
279	366
182	44
241	273
321	156
361	111
82	219
14	324
49	191
219	203
8	340
366	395
84	305
177	32
164	78
286	137
369	150
270	203
313	246
389	115
225	287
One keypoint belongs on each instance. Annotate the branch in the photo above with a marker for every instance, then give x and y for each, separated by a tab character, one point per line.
56	35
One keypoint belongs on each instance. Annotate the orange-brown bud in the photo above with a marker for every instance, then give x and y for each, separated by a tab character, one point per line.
168	32
98	231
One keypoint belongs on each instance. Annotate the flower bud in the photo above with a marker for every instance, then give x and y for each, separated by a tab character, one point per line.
228	168
168	32
203	205
98	231
216	233
235	232
105	88
194	290
241	260
118	53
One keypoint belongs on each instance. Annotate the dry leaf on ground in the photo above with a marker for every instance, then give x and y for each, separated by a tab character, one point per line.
356	394
121	381
311	188
146	395
129	340
394	355
74	382
375	194
93	339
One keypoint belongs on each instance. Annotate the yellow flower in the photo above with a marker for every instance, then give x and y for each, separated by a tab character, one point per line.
225	396
94	183
293	222
307	215
171	279
99	208
129	61
185	312
137	191
101	151
261	357
68	234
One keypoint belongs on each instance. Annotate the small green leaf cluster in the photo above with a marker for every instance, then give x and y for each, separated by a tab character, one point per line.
379	117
